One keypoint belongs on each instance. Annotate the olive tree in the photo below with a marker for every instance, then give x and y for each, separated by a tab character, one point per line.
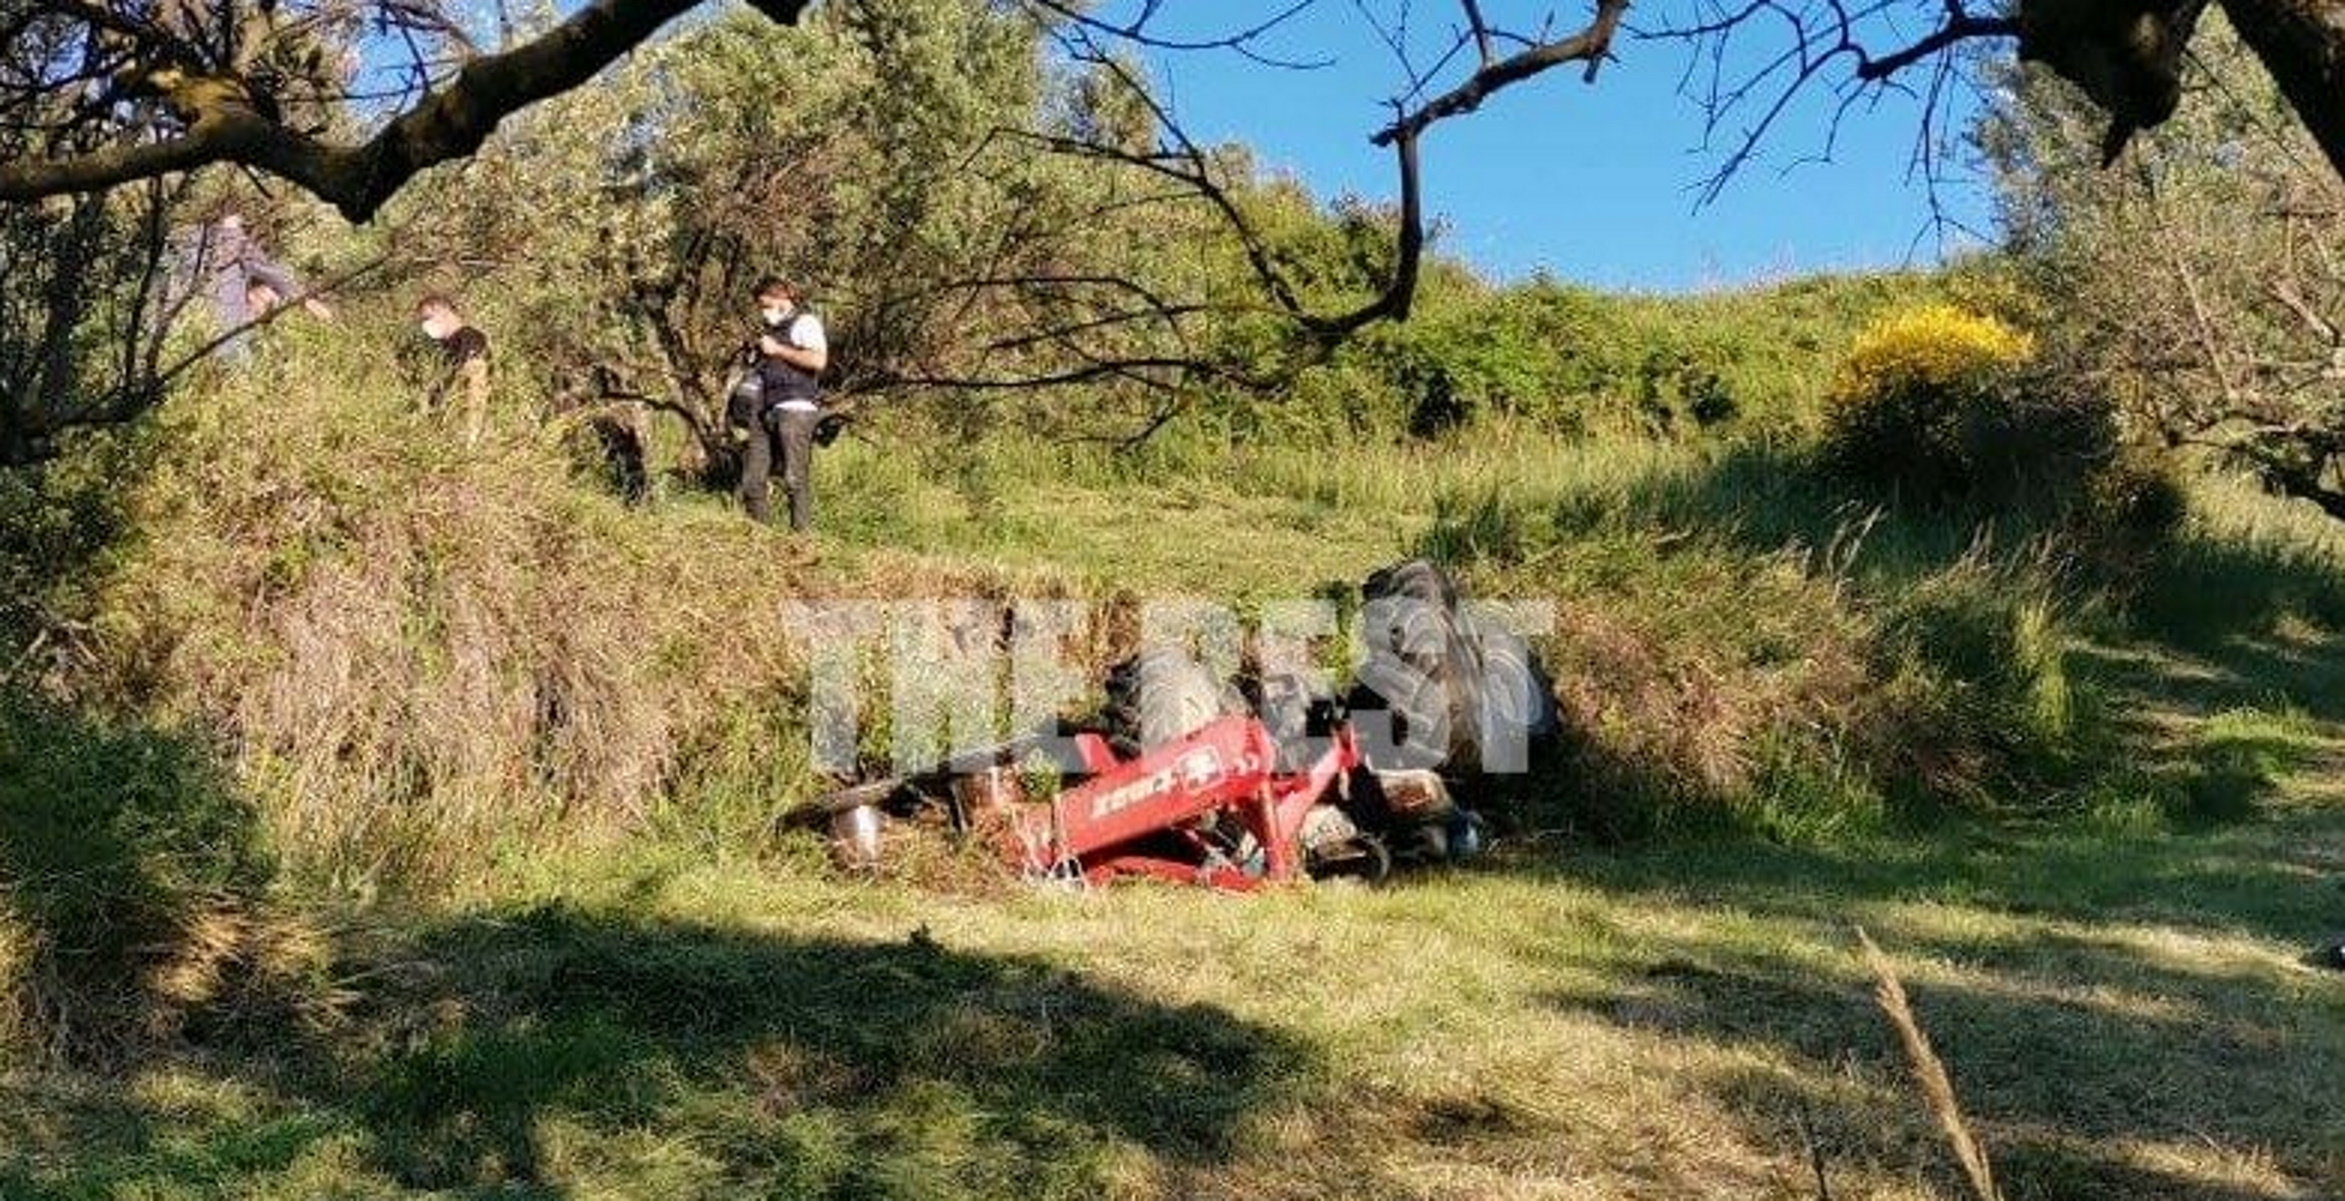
906	164
243	81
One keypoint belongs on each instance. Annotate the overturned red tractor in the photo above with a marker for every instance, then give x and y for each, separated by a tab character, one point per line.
1188	779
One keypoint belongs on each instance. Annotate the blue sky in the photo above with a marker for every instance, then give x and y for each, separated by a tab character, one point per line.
1595	184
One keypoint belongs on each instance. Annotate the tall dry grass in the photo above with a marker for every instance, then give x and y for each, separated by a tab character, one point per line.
1930	1076
427	660
416	653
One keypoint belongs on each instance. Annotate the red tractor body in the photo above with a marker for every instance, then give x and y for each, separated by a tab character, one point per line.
1213	808
1175	813
1195	787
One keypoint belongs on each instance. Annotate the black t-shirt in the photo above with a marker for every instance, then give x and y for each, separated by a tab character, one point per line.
463	346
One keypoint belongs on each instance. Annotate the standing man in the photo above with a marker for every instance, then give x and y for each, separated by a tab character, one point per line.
464	357
791	352
245	283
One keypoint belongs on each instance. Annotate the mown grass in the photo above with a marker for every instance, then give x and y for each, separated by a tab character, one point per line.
2123	1017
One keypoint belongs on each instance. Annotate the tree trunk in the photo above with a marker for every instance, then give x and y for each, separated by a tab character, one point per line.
2302	43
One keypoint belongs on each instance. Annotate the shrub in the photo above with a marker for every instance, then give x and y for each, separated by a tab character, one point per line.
1934	402
418	654
2127	517
426	660
55	519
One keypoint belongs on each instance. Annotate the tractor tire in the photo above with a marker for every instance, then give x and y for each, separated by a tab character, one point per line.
1449	687
1162	696
1421	671
1298	710
1516	689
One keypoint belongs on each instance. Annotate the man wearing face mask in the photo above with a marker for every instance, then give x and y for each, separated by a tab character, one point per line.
790	354
464	360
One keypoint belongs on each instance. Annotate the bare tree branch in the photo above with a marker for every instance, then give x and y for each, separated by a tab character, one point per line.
1481	31
1960	26
1589	45
1141	30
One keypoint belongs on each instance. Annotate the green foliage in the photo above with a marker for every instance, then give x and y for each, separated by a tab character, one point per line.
2139	498
2240	567
879	156
1810	793
2192	285
420	653
328	632
2238	760
1986	651
1742	645
509	661
56	520
81	323
1583	362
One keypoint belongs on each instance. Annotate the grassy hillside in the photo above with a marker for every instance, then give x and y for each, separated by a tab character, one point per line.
414	807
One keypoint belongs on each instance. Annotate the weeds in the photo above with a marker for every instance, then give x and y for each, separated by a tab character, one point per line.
136	895
417	653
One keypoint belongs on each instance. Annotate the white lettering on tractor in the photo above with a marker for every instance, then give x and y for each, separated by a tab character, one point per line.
1200	768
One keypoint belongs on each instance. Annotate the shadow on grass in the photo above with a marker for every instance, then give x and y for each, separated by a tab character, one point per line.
2205	593
556	1051
143	937
842	1066
2241	673
2106	1051
2226	598
2212	736
1765	497
132	889
2076	1089
2269	879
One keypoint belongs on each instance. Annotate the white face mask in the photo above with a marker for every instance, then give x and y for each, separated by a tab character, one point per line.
775	316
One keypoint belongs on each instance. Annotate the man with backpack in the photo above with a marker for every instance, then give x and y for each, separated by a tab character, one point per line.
783	408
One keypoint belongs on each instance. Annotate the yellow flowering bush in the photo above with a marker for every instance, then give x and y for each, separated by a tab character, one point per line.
1931	400
1935	347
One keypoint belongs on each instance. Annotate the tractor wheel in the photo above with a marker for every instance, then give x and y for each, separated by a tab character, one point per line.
1364	858
1421	669
1448	685
1163	696
1516	687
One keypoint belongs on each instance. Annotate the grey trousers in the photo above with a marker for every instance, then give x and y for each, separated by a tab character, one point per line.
786	435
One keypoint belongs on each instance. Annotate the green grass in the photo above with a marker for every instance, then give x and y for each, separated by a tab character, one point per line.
2096	829
2123	1018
